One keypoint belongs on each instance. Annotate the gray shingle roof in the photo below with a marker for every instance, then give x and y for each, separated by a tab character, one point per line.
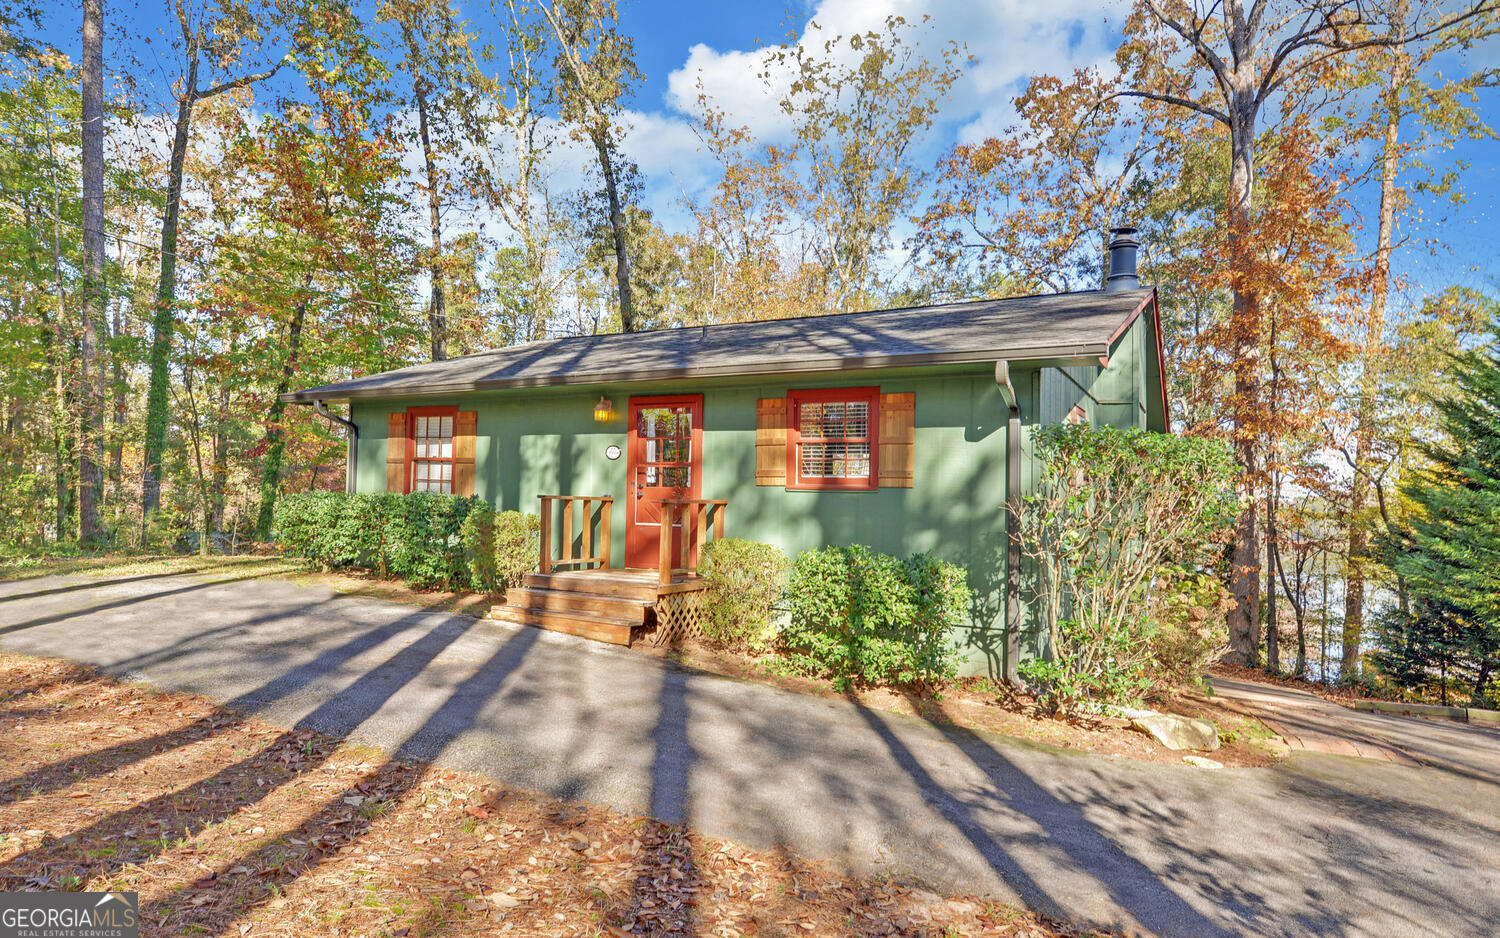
1063	325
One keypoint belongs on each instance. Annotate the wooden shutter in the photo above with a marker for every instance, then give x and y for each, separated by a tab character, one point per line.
897	439
770	441
464	429
395	452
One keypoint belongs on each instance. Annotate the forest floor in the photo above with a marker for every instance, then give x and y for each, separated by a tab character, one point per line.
973	703
228	825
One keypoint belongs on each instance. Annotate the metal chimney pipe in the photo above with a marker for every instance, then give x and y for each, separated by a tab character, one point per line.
1122	250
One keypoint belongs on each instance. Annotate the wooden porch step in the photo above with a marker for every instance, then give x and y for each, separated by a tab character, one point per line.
569	600
599	628
623	584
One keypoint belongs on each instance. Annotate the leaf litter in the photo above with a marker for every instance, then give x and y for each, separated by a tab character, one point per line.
229	826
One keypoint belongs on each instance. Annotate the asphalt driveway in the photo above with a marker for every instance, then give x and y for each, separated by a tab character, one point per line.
1321	845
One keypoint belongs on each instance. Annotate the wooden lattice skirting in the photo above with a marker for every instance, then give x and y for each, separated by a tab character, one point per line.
680	616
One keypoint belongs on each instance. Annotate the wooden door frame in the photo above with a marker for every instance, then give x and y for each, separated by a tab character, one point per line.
632	456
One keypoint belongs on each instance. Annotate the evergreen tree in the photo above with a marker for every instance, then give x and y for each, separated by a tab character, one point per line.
1448	553
1416	646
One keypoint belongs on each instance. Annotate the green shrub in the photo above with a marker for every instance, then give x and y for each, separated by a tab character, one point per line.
858	616
1120	517
743	580
479	547
518	544
417	537
1189	610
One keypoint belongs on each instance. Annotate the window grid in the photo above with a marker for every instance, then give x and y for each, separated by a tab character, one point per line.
833	446
432	453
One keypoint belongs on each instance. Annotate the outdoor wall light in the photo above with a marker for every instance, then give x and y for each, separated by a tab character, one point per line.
604	411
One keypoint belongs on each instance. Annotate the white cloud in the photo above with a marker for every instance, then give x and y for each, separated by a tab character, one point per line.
1010	40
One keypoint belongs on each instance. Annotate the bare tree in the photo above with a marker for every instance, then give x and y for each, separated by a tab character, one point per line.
597	66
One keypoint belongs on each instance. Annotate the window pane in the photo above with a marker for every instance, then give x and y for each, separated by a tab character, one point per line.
856	419
834	419
812	420
814	461
834	460
447	430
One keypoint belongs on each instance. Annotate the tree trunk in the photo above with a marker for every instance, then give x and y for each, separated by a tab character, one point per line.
119	407
1365	417
1273	631
1246	349
1301	609
617	225
437	317
164	316
93	310
58	359
219	480
270	477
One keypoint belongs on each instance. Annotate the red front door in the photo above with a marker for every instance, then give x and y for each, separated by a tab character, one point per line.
665	461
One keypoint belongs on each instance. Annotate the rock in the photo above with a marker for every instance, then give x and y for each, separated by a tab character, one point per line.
1177	732
1202	762
1127	713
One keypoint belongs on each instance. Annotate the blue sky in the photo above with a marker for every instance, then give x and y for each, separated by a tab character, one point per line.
681	42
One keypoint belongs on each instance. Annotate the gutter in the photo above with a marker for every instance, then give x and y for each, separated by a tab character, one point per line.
1011	660
351	463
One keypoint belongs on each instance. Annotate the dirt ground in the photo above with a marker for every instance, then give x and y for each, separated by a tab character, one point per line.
228	826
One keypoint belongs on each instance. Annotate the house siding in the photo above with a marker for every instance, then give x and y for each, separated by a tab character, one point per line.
545	441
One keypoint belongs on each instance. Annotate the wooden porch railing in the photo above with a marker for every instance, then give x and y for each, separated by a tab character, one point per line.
586	540
694	513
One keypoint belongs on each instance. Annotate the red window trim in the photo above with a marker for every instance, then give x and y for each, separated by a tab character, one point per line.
795	400
412	413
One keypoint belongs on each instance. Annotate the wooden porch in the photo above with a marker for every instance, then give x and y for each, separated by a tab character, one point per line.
577	591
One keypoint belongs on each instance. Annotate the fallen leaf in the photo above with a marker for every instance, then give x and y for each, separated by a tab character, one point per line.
504	900
212	879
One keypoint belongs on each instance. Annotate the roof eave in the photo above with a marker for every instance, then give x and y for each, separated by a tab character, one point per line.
1081	351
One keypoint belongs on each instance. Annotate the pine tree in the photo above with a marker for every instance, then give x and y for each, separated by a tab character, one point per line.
1448	553
1416	646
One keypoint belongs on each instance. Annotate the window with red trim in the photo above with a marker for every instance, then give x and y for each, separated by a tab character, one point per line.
430	448
831	438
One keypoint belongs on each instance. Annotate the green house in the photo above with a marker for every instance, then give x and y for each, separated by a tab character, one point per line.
904	430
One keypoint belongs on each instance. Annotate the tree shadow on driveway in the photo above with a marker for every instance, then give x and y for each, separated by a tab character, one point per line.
64	615
1064	832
